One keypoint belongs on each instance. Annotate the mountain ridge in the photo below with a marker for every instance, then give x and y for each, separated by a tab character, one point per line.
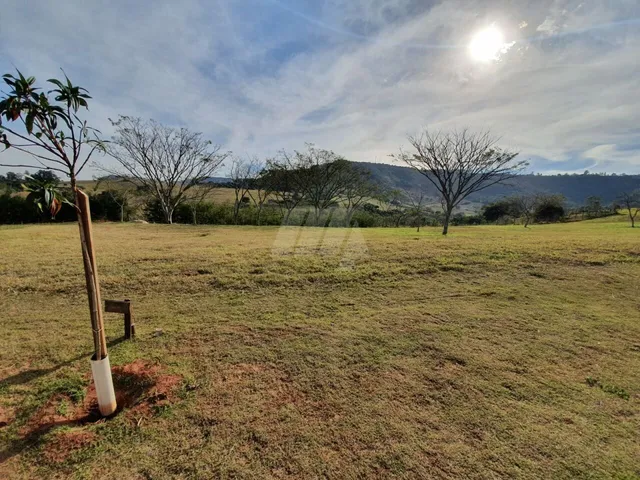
575	188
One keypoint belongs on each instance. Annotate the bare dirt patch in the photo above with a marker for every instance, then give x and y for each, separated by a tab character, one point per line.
139	387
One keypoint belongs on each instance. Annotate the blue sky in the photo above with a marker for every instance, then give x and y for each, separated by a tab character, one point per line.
353	76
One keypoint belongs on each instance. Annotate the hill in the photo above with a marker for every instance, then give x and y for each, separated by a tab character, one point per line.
576	188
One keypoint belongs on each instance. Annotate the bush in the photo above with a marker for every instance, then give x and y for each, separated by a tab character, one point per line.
16	209
549	210
462	219
153	211
365	219
501	210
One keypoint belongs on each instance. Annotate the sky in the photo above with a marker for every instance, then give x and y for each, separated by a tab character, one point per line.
562	86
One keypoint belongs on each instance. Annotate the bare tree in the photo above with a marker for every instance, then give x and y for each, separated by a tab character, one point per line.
460	163
631	201
282	176
526	205
261	191
119	190
357	187
416	207
242	174
167	161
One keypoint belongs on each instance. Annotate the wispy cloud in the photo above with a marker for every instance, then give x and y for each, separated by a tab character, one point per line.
354	76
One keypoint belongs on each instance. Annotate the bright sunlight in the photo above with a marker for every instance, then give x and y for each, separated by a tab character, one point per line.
487	44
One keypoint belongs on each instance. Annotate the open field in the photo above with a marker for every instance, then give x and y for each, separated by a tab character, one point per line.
498	352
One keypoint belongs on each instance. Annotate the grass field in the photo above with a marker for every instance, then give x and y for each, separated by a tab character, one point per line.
497	352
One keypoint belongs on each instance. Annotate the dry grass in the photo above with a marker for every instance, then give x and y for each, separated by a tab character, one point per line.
380	353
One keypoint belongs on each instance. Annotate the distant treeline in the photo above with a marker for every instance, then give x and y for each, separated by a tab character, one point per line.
377	208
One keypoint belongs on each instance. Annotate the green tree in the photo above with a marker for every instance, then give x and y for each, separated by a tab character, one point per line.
593	206
12	181
46	176
48	128
549	209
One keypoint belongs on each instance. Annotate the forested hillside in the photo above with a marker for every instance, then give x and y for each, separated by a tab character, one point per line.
576	188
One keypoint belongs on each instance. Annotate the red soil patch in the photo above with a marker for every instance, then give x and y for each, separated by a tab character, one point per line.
139	387
65	443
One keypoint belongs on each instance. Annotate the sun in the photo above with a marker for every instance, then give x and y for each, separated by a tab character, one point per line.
487	44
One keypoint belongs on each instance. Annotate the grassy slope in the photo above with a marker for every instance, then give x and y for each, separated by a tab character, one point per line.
404	355
217	195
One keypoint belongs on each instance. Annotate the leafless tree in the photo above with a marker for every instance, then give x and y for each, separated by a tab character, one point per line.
167	161
631	201
460	163
357	187
282	176
119	190
261	191
243	172
416	208
525	205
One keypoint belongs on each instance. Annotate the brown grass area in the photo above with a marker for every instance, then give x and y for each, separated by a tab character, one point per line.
498	352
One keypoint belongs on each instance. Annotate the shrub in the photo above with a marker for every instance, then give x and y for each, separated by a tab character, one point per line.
16	209
549	209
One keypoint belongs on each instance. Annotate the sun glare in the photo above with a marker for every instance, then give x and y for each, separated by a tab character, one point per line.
487	44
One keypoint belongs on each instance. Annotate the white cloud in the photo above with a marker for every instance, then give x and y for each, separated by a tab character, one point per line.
354	76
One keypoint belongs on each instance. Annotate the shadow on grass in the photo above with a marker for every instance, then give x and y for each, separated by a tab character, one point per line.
139	386
33	438
29	375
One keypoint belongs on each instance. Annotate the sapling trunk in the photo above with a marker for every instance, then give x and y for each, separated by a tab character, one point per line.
91	274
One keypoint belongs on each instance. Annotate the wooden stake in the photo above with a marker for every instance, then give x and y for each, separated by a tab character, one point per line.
129	328
124	307
91	275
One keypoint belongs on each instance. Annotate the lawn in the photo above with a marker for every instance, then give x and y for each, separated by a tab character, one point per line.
496	352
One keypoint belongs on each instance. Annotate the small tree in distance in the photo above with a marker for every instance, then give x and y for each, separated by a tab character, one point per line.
526	205
167	161
549	209
282	177
417	208
322	176
631	201
460	163
242	174
357	187
262	188
120	191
